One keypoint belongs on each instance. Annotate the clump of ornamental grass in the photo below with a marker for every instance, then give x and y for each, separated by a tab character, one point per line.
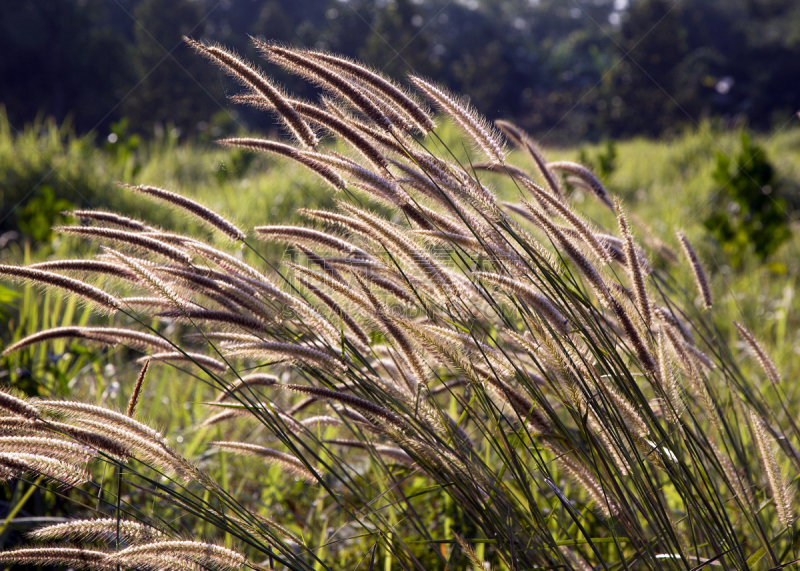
529	388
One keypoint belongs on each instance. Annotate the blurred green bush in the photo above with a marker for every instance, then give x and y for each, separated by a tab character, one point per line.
749	212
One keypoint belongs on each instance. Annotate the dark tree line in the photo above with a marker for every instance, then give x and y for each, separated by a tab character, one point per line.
586	68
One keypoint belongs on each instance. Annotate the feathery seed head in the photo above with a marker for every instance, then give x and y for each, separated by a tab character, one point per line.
763	359
17	406
41	277
697	269
465	116
634	269
263	145
295	62
420	117
251	77
202	212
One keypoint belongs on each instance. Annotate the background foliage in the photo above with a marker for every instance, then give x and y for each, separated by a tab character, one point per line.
584	68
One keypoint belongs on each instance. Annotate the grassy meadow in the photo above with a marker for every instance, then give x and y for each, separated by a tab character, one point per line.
666	183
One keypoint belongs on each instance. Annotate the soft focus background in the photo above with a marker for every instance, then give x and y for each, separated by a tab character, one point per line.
566	70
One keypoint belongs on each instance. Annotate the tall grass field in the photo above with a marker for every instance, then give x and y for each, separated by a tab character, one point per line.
391	334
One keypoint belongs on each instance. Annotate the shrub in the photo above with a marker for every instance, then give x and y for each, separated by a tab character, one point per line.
750	214
606	160
506	379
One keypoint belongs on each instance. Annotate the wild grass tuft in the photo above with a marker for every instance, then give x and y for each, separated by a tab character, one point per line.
432	367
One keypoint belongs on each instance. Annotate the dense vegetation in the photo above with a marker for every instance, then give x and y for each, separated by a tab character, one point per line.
521	382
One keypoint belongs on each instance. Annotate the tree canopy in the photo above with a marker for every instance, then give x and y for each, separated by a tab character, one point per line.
585	69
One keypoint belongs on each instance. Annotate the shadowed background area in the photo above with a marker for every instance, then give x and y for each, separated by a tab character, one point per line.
581	69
